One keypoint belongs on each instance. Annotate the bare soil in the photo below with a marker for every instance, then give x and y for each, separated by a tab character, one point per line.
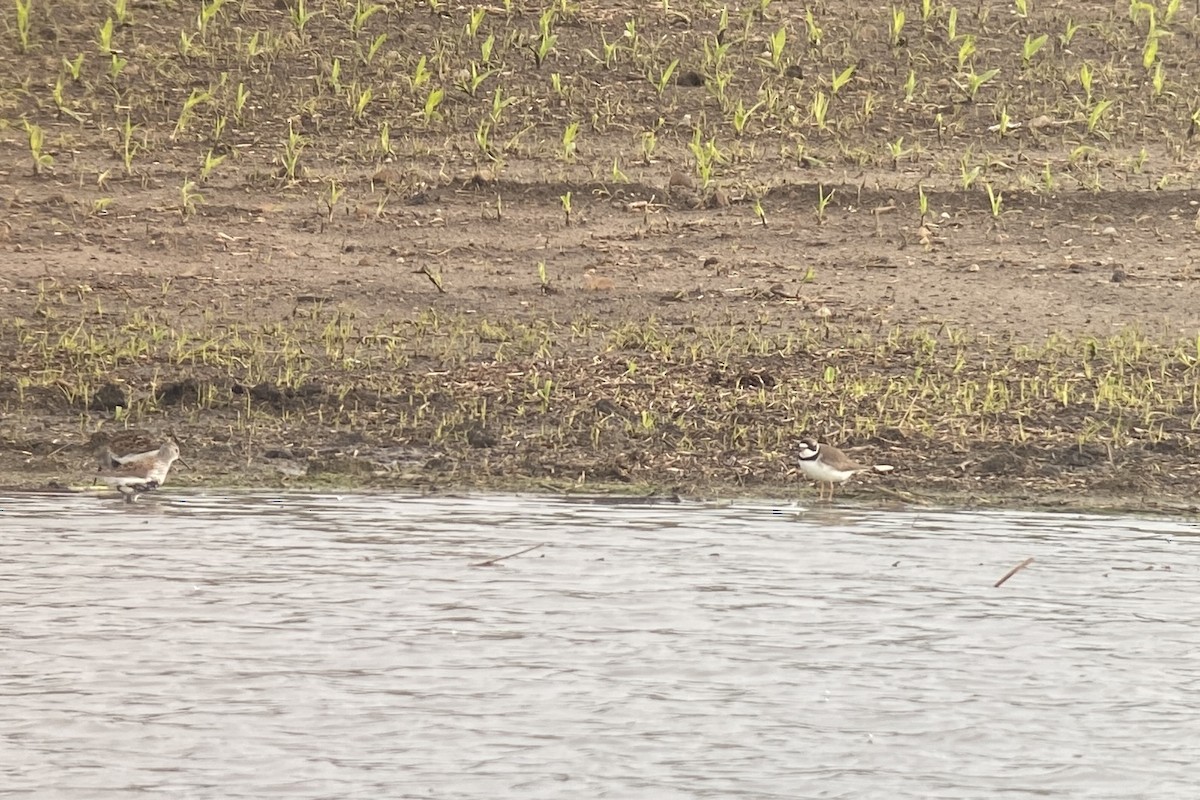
464	298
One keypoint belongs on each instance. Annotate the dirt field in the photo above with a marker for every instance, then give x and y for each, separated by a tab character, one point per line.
607	246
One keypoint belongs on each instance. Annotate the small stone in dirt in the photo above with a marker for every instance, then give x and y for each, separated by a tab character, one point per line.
718	199
690	78
172	394
1119	275
680	179
481	178
1109	231
479	438
109	396
387	175
1003	463
597	283
755	380
265	392
608	407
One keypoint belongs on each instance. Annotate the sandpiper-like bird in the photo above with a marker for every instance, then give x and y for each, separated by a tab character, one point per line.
825	464
115	449
141	472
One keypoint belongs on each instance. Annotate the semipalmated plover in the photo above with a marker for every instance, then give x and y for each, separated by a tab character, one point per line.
825	464
142	472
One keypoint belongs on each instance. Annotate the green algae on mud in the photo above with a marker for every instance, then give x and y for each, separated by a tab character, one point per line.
330	398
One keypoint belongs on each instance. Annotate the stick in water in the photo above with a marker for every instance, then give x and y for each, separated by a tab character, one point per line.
1012	572
492	561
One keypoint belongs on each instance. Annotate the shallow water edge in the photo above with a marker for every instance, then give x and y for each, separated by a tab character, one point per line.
848	497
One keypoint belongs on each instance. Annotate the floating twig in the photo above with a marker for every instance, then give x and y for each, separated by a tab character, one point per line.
1012	572
492	561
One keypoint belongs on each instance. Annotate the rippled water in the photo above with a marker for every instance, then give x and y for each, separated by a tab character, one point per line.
334	647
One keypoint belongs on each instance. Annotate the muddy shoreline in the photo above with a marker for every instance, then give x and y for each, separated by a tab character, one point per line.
448	401
360	261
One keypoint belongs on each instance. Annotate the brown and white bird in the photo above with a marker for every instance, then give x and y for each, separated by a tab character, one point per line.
142	472
114	449
825	464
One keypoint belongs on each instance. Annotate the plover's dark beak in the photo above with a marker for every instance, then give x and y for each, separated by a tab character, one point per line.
181	461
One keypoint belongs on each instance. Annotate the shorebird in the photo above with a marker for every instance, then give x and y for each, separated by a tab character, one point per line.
142	472
825	464
115	449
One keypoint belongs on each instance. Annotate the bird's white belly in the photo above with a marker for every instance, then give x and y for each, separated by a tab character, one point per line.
823	472
117	481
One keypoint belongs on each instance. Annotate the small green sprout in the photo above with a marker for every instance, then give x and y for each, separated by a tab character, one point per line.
823	201
37	138
995	199
896	28
24	7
